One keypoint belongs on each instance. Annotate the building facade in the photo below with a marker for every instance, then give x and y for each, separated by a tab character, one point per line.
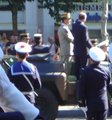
34	20
94	16
31	20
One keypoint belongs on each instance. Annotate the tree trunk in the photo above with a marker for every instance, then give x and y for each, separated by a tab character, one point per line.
14	20
104	32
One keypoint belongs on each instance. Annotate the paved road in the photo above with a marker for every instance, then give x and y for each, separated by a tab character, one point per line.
71	113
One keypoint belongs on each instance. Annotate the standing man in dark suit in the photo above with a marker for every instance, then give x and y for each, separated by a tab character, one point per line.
93	85
81	42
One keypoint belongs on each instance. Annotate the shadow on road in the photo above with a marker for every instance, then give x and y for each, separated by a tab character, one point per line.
70	112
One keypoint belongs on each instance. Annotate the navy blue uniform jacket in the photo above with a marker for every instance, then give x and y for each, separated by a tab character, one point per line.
81	38
93	86
16	72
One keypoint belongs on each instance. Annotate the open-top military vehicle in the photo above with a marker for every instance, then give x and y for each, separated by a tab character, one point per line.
58	88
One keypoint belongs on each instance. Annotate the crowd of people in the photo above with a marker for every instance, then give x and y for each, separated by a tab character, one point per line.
22	77
37	43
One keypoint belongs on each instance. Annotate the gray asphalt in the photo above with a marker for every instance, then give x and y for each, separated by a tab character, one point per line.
71	113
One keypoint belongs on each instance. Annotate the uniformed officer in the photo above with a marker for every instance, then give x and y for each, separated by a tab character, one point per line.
39	46
12	101
10	47
23	74
93	86
65	38
25	37
66	41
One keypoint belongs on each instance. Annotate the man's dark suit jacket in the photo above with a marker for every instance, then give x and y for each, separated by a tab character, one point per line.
93	85
81	38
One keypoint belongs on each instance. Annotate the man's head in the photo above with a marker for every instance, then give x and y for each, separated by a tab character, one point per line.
96	54
22	50
83	16
38	38
94	42
24	37
66	18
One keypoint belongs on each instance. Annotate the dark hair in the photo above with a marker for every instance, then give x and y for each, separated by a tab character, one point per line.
95	62
21	55
37	40
81	16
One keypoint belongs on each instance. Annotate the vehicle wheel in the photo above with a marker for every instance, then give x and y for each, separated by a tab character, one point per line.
47	104
1	110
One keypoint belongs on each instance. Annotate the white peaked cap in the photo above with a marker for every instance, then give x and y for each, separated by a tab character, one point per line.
97	54
1	54
110	52
37	35
23	47
22	35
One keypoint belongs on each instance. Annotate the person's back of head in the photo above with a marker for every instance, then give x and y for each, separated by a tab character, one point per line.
94	42
24	37
82	16
96	55
22	50
38	38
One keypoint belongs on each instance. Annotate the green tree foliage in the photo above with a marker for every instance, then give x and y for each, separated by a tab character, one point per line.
55	6
15	6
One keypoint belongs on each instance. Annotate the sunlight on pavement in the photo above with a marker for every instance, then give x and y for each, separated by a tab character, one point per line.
68	108
71	113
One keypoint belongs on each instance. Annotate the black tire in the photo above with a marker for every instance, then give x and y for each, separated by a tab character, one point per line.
47	104
1	110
